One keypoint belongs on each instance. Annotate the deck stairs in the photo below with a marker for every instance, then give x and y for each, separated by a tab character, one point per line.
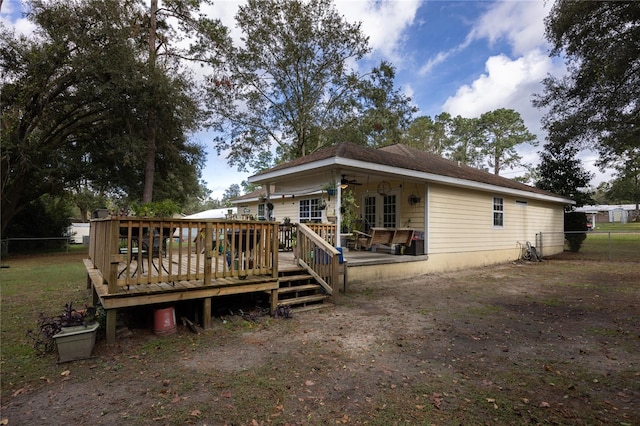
300	291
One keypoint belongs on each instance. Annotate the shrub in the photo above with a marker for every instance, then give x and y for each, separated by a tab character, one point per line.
574	222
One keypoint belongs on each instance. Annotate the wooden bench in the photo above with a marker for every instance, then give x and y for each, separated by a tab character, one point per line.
385	236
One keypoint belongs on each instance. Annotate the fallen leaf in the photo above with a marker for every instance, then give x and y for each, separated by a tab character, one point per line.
436	399
4	422
491	400
65	373
309	383
545	404
175	400
195	413
18	392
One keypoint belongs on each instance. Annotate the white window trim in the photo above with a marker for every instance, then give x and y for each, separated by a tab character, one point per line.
494	211
311	210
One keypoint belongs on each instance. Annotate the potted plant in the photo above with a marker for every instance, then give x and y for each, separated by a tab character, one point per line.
73	333
331	189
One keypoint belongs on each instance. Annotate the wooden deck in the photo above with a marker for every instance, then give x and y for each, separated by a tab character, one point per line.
166	292
183	260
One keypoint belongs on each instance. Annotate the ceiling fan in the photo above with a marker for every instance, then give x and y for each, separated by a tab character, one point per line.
344	182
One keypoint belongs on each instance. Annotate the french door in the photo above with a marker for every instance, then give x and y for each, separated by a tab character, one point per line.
380	210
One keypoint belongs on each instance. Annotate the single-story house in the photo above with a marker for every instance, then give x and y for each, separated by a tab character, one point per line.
462	216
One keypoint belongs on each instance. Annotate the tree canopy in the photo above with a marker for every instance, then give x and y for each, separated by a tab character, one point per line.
75	102
562	173
485	142
503	129
596	104
291	85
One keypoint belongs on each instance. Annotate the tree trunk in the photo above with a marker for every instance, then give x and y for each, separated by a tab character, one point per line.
150	161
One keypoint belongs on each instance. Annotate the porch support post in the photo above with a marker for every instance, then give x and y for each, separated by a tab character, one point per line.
206	313
274	301
338	213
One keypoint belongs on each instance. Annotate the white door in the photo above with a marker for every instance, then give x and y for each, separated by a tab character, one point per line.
380	211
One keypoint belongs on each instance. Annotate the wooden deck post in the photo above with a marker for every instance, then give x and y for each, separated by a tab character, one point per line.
208	252
114	257
206	313
111	326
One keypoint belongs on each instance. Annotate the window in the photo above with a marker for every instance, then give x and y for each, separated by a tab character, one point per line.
498	211
261	211
310	210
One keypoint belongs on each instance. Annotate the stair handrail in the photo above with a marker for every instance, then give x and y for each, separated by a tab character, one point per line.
318	257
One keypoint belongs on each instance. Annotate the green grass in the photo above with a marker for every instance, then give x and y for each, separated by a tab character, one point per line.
619	242
618	227
460	387
31	285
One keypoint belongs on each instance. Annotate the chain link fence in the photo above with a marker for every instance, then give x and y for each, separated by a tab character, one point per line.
619	246
27	245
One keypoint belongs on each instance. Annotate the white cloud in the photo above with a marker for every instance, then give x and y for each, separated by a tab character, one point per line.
521	23
505	83
11	17
385	22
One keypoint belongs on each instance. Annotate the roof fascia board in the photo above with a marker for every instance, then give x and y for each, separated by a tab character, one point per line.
446	180
266	177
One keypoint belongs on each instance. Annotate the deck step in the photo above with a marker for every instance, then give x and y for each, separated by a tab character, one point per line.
293	302
289	279
305	287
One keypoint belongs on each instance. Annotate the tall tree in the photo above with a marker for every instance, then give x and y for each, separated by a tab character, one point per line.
74	107
467	141
560	171
431	135
625	188
596	104
178	32
230	193
289	81
383	112
502	130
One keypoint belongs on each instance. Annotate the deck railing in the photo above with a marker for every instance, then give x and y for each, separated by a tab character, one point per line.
317	255
131	251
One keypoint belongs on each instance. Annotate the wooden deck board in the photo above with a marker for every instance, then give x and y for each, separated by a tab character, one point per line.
144	294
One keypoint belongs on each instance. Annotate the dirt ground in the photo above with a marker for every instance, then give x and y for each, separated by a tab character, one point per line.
556	342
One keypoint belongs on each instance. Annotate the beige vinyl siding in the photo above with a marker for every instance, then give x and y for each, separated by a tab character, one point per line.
461	220
412	216
285	207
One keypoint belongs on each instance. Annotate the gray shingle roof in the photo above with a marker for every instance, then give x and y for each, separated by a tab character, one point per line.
405	157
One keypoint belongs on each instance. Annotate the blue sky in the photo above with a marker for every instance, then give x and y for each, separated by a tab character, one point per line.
463	57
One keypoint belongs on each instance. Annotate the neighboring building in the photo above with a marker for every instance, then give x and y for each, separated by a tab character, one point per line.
465	216
78	233
620	213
